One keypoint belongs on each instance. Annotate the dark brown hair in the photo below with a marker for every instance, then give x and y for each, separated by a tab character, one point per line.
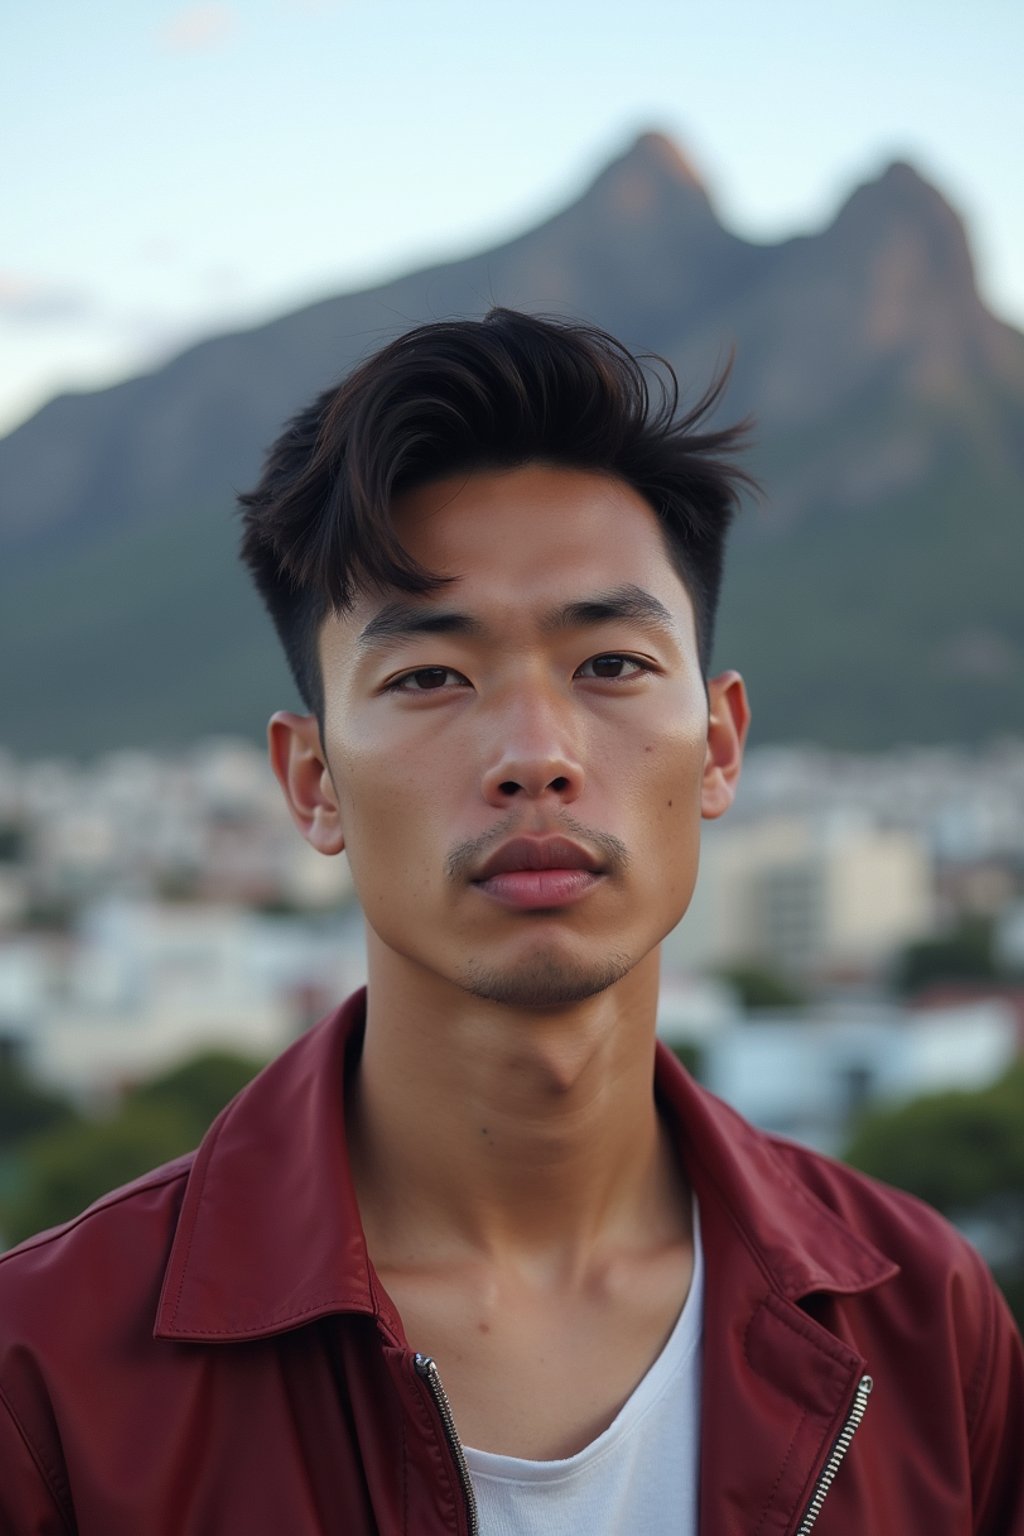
458	396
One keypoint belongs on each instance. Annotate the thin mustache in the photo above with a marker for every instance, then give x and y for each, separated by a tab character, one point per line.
467	856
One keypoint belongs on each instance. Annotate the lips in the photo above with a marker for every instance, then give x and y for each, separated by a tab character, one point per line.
533	853
538	874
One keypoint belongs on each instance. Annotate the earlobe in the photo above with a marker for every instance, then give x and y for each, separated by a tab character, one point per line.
728	720
300	767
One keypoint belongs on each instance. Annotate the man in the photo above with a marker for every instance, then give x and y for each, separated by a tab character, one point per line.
493	562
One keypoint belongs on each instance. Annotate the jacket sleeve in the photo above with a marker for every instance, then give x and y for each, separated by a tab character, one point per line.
996	1423
27	1505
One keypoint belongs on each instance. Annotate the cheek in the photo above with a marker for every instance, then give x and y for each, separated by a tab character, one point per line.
669	796
393	827
671	769
378	801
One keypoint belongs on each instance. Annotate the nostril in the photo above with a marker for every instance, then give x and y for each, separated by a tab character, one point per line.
510	787
559	784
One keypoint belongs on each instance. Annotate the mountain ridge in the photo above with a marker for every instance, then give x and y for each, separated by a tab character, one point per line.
883	387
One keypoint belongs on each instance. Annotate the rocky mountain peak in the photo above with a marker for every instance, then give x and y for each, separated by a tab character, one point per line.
665	155
901	205
652	173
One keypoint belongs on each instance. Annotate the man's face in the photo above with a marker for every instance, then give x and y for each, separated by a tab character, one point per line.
518	763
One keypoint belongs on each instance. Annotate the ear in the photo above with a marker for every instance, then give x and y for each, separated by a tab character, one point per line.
728	719
300	766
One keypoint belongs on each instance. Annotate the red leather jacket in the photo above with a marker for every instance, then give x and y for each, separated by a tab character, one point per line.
209	1353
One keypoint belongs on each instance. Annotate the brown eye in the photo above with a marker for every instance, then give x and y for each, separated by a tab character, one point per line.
427	680
428	677
613	667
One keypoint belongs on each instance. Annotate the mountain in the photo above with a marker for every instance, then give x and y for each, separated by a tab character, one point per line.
872	596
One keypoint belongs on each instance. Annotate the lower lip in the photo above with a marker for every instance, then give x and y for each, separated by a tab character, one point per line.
538	889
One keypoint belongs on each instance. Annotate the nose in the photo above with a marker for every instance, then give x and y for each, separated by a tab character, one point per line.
533	758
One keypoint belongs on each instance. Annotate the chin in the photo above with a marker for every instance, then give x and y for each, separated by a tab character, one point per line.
545	980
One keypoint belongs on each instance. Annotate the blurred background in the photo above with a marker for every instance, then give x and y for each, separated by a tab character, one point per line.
212	211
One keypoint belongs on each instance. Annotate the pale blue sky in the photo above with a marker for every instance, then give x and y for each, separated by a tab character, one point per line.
174	169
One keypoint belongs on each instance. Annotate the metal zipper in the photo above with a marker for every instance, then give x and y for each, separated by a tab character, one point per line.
427	1368
839	1450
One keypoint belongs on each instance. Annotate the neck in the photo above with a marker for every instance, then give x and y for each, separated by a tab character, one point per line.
520	1135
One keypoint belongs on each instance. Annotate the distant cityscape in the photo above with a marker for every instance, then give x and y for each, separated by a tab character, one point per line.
153	906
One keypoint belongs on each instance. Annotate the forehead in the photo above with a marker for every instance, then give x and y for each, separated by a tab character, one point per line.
549	526
518	544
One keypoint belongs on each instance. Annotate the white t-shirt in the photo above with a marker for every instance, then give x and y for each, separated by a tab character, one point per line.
640	1475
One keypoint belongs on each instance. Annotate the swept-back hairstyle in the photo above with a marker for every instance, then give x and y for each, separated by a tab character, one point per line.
467	395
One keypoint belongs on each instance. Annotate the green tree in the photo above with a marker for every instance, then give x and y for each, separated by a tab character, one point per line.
761	986
691	1056
26	1108
198	1088
963	1152
61	1171
13	842
967	953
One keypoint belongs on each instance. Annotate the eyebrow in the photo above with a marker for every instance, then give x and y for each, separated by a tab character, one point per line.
401	620
625	602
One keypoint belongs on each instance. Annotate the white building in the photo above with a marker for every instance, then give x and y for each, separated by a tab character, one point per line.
145	984
805	895
806	1077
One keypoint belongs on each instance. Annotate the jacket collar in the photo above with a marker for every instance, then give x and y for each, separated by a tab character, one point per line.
746	1179
269	1235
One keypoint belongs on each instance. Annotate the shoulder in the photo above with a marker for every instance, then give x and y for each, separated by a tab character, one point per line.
944	1291
147	1194
77	1305
899	1223
116	1247
942	1319
813	1218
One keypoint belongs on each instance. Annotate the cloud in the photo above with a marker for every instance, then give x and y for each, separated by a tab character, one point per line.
195	28
26	302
